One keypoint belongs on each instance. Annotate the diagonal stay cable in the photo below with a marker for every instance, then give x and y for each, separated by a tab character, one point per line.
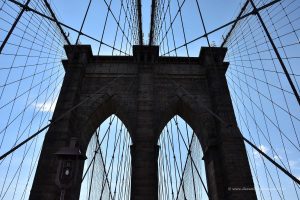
202	21
59	118
262	108
110	166
56	21
188	148
120	163
163	20
64	25
13	26
118	23
104	27
234	24
99	151
98	147
269	119
83	21
163	154
223	26
243	120
99	143
93	168
119	18
241	136
276	51
185	165
183	29
173	20
174	157
166	165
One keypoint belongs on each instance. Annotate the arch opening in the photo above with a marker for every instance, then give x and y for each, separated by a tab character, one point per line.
181	170
107	169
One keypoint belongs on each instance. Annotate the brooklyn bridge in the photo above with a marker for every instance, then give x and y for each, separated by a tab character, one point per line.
161	99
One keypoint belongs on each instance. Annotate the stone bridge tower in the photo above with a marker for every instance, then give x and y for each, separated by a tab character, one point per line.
145	91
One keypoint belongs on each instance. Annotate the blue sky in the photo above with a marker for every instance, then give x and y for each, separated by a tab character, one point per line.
254	77
222	12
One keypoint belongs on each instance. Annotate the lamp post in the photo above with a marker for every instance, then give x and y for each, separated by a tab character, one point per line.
68	158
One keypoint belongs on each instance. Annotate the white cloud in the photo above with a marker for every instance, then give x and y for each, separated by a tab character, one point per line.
47	106
263	148
277	157
295	165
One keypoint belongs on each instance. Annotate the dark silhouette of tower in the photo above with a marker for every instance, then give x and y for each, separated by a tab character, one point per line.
160	88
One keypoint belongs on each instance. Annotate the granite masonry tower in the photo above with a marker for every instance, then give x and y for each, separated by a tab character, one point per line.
145	91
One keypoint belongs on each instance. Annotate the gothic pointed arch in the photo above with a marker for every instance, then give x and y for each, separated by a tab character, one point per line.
90	119
181	168
108	162
193	114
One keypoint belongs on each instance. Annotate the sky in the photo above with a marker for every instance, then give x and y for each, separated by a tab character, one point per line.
223	11
255	79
